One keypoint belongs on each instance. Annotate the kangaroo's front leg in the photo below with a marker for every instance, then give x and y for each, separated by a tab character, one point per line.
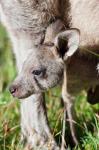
34	123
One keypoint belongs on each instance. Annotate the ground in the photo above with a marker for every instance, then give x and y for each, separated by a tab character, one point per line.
87	121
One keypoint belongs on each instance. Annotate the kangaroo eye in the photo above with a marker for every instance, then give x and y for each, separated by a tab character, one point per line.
40	72
37	72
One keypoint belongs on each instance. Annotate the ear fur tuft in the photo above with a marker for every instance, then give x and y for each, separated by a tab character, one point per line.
67	43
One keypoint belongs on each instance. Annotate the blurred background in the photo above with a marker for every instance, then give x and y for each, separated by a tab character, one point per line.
87	121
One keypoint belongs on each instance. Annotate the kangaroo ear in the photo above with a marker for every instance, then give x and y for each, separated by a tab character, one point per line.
67	43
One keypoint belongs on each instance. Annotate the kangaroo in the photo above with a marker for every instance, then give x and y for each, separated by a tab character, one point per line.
26	22
44	69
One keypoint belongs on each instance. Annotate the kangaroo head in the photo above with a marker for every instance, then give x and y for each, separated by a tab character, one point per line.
44	67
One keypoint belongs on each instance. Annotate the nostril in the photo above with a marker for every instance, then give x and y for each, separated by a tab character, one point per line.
13	90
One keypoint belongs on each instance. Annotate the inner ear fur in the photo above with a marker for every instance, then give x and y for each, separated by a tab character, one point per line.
67	42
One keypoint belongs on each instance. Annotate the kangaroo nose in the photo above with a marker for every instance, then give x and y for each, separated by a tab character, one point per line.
12	90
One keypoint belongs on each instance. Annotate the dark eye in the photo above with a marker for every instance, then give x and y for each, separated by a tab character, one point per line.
37	72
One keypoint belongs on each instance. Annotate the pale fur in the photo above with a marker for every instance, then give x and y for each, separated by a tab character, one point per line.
26	26
84	16
26	22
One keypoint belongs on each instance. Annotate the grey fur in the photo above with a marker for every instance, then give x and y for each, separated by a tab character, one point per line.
26	22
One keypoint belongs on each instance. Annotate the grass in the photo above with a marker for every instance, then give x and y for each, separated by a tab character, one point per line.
87	122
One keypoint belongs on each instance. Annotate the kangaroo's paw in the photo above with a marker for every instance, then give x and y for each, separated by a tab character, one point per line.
37	143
